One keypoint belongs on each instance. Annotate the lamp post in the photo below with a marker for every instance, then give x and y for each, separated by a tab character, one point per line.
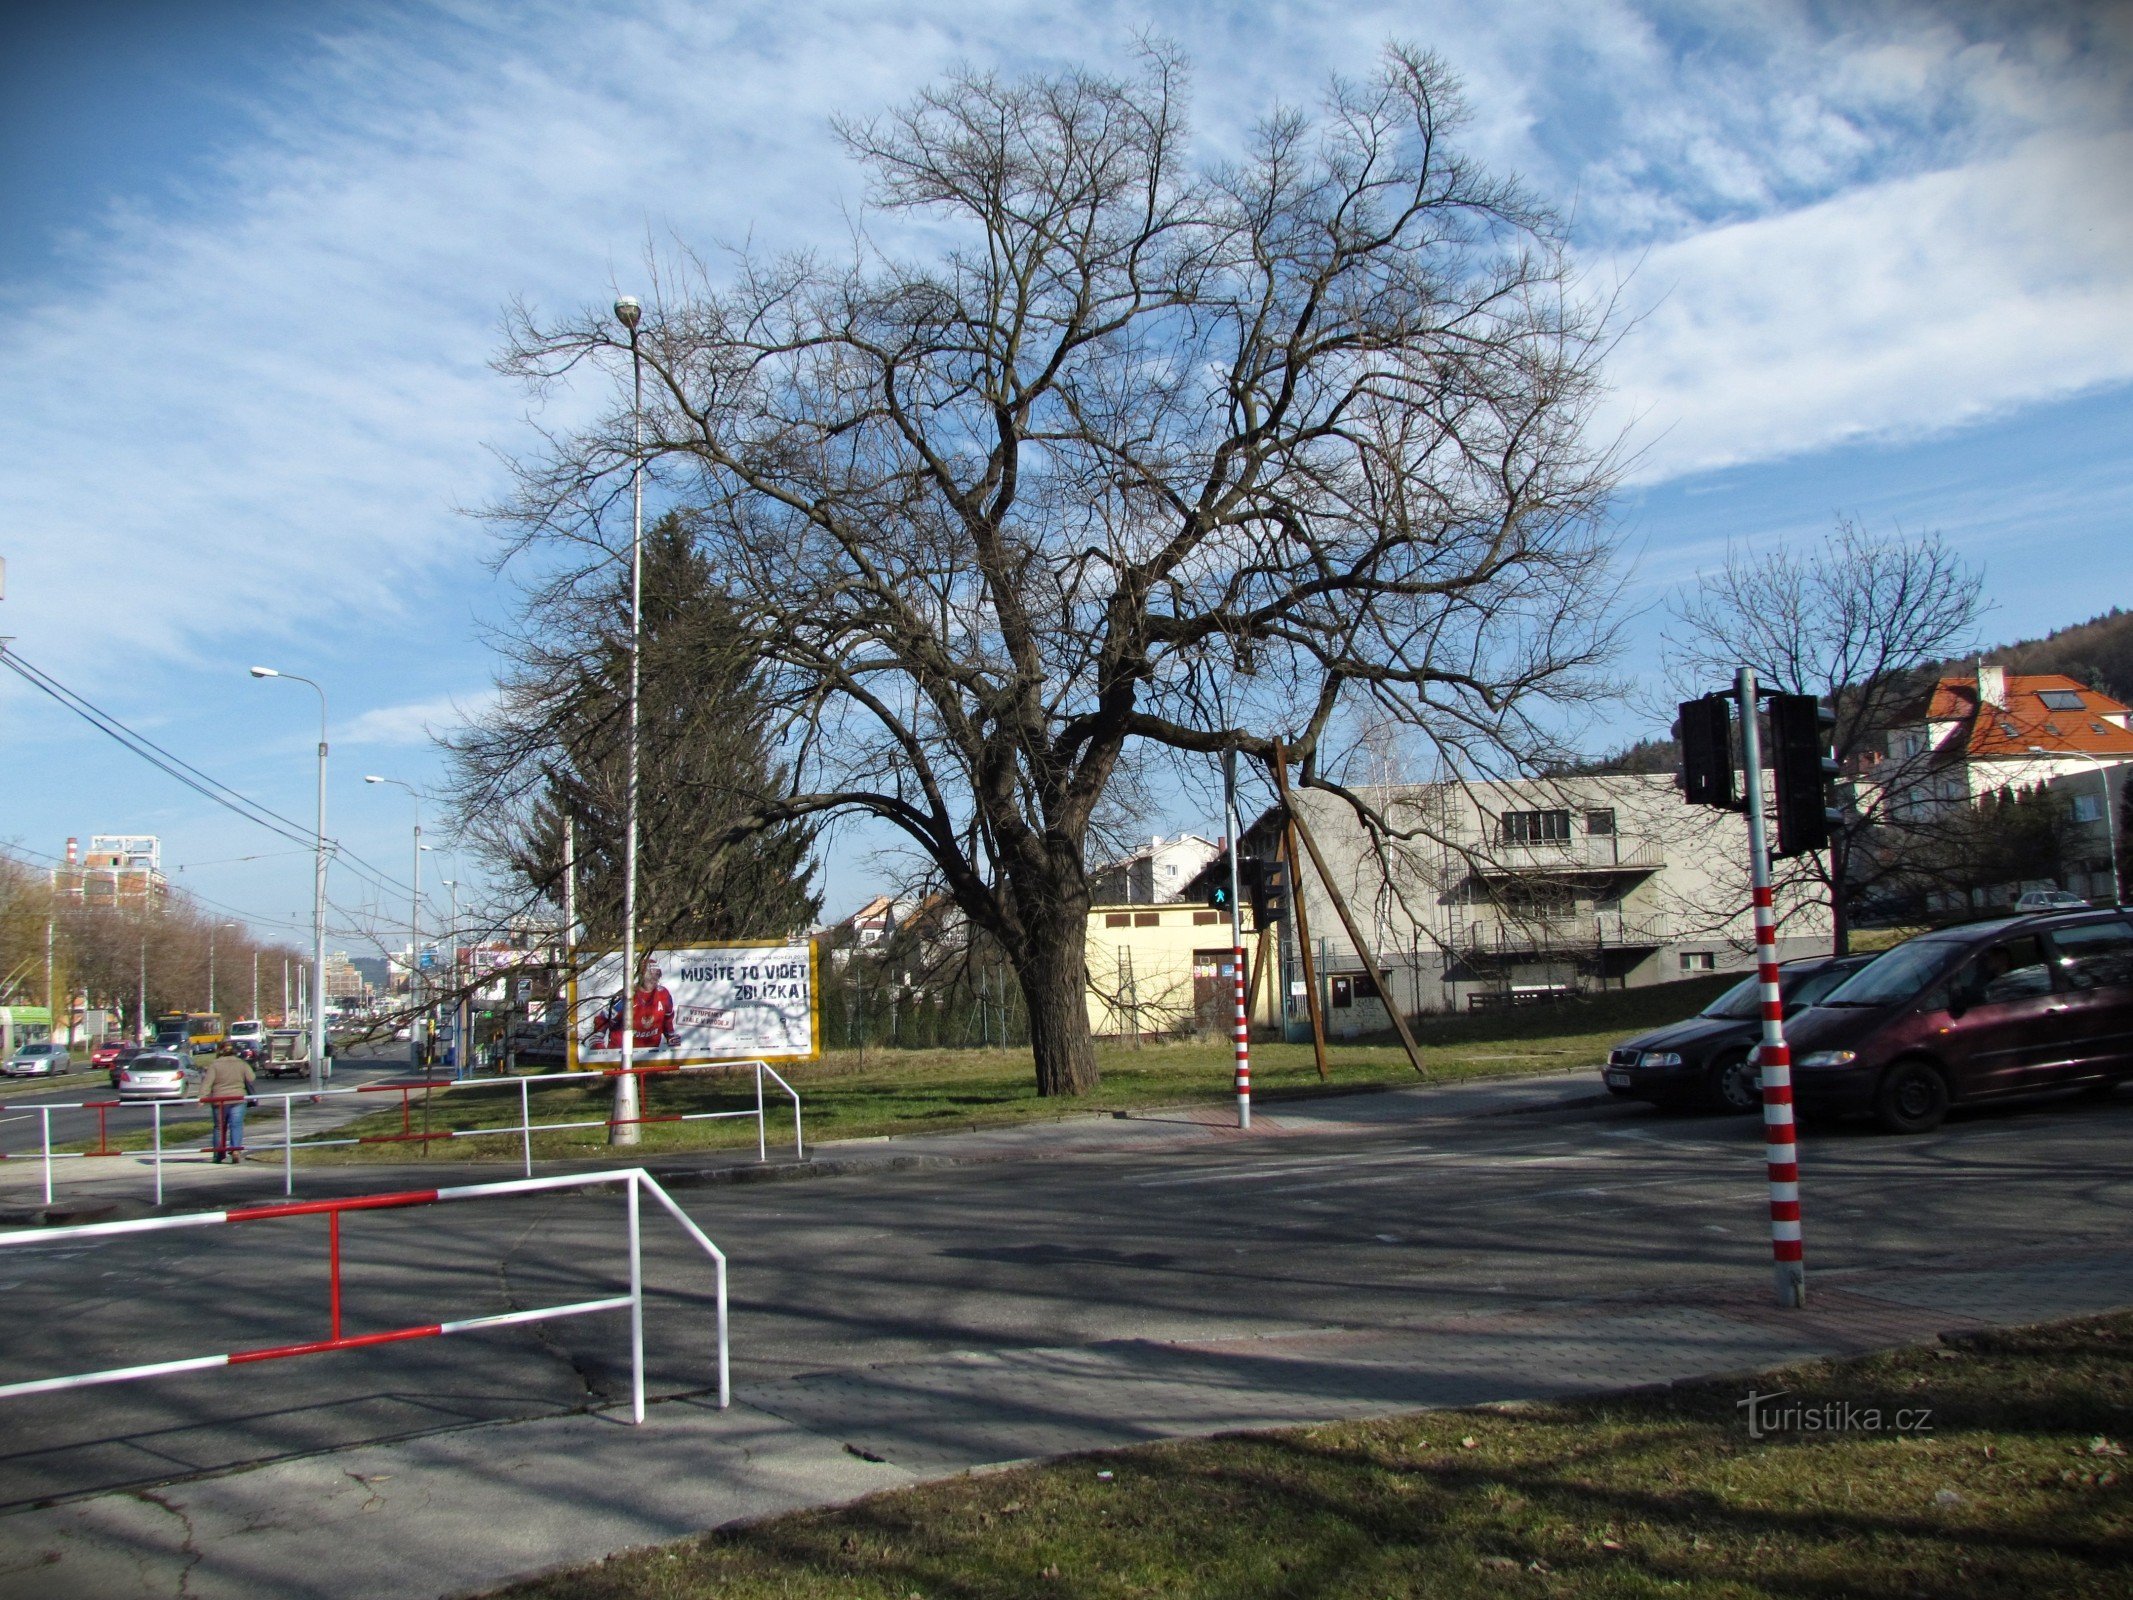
2110	814
624	1129
318	890
414	926
459	987
214	929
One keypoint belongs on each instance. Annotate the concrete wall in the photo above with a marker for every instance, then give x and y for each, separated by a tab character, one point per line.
1461	905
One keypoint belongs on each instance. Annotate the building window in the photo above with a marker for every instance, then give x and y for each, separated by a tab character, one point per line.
1118	919
2061	700
2088	807
1201	919
1536	827
1698	961
1147	919
1600	823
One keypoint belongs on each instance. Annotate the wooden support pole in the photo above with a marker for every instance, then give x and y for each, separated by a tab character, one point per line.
1303	917
1379	976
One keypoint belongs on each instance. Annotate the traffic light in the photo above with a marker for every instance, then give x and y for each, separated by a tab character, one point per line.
1218	891
1268	884
1707	752
1802	767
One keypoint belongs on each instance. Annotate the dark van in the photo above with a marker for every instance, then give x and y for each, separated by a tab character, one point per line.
1971	1014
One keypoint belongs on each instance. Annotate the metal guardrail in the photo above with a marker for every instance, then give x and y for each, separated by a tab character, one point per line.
524	1129
640	1183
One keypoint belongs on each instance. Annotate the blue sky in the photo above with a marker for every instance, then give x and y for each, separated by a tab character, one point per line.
1874	259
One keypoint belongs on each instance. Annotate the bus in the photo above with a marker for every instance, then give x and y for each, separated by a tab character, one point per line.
197	1031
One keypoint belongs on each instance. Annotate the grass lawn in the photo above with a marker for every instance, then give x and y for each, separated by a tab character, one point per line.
845	1096
2019	1489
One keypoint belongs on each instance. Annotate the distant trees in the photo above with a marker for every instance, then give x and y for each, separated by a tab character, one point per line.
1854	619
553	750
1122	454
101	953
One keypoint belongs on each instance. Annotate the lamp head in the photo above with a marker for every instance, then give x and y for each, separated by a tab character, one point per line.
372	777
265	672
627	312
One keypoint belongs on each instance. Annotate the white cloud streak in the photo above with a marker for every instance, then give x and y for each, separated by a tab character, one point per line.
258	418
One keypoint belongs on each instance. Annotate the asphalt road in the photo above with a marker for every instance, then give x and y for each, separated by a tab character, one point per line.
1265	1236
21	1133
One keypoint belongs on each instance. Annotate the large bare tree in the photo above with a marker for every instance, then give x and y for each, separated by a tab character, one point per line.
1854	618
1090	452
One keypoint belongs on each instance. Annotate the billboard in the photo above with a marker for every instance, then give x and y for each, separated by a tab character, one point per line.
699	1005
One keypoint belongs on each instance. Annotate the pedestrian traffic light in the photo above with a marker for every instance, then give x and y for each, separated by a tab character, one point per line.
1218	891
1802	768
1707	752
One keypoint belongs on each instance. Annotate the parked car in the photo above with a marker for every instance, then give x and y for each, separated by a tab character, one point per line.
106	1055
2049	900
155	1075
45	1059
1978	1013
1710	1059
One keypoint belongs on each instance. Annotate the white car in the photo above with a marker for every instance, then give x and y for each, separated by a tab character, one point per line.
2049	900
154	1075
45	1059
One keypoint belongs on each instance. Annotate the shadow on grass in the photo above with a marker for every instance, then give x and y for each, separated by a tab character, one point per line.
1628	1495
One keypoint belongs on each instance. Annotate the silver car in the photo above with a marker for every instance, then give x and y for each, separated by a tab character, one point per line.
154	1075
43	1060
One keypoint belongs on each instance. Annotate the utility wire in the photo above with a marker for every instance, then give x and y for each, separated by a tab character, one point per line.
191	776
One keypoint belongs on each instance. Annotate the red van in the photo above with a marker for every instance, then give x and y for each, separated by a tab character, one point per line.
1971	1014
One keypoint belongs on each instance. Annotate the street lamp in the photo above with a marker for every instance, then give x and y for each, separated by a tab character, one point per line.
2110	814
214	929
318	891
414	925
624	1128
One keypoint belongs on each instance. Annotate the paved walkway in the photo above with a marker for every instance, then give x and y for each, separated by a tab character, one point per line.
463	1509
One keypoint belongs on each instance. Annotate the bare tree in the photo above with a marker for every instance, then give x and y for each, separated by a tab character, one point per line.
1143	457
1855	619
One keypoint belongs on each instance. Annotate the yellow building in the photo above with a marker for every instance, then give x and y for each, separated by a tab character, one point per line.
1163	971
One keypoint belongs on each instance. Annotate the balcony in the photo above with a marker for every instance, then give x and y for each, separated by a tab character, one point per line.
1584	855
1505	935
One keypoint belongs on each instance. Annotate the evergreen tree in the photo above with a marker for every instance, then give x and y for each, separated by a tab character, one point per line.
556	749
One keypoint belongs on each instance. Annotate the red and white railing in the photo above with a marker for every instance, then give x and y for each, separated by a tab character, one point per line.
638	1181
523	1130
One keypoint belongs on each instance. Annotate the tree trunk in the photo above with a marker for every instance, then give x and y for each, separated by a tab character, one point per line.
1052	968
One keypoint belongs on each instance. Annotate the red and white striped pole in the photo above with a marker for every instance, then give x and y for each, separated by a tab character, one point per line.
1241	1018
1781	1142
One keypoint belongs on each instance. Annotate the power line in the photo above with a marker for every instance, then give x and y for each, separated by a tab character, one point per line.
192	777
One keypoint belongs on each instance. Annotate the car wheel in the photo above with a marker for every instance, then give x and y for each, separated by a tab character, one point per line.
1913	1098
1737	1083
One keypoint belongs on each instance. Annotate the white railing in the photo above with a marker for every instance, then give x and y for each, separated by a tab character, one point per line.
156	1155
640	1183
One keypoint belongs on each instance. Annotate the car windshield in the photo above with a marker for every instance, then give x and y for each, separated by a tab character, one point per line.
1744	1001
1895	975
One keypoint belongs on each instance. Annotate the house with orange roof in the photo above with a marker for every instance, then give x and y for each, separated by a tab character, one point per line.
1992	729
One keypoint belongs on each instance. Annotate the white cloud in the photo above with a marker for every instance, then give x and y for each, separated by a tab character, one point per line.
255	417
1892	310
415	723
